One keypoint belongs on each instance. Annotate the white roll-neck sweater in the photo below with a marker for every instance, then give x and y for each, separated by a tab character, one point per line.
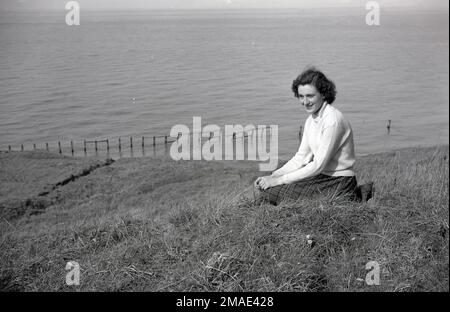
327	147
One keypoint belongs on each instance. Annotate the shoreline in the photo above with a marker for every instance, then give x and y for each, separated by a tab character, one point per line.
284	159
63	167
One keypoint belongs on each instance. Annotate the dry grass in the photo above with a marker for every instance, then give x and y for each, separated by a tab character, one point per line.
157	225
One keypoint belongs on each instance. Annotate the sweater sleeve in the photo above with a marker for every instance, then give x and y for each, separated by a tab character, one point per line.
300	159
328	146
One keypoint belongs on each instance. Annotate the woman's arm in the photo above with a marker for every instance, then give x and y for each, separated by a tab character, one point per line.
300	159
328	146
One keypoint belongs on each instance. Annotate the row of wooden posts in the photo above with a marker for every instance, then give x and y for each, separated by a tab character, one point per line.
120	142
97	142
166	141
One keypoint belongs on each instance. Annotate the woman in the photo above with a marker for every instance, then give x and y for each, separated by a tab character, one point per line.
324	162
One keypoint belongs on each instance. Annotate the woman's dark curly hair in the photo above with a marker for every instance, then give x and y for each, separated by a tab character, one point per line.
316	78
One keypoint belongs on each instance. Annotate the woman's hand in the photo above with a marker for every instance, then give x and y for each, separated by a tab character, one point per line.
264	183
257	182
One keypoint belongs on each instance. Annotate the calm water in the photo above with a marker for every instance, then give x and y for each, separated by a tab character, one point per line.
229	67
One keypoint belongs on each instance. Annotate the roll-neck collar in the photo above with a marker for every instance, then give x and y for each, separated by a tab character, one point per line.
317	117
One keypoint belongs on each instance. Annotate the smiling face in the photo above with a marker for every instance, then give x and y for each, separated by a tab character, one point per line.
310	98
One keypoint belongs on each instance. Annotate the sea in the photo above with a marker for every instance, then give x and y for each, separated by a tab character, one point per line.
122	74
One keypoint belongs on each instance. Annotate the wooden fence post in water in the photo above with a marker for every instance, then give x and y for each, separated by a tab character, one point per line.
120	146
154	141
71	146
389	126
46	146
21	147
95	142
9	148
142	142
107	146
131	143
84	146
34	146
59	146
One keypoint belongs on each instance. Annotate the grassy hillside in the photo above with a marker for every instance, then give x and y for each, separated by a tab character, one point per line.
158	225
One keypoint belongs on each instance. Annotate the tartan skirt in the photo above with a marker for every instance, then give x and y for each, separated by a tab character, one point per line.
317	186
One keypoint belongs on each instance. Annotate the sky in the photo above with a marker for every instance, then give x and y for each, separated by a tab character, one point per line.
214	4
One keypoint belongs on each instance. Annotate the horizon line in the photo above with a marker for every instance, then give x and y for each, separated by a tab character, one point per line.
354	6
